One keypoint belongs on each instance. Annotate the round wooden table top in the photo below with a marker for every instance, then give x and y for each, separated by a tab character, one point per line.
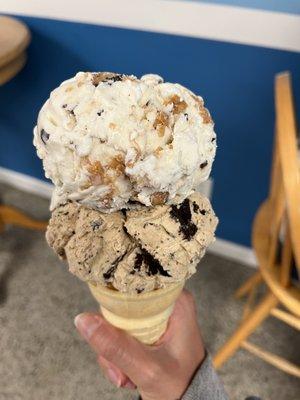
14	38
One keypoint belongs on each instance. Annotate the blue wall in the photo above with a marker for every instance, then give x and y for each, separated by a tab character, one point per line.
236	81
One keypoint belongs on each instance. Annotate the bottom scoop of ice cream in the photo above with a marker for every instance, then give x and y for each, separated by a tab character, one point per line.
135	251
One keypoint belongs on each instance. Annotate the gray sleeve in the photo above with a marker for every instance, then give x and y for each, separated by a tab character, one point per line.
206	385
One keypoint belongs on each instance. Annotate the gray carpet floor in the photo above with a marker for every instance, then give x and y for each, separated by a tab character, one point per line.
43	358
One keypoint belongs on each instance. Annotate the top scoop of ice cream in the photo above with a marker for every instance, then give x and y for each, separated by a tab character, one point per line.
111	141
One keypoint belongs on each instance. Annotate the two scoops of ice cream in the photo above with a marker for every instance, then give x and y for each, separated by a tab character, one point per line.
125	156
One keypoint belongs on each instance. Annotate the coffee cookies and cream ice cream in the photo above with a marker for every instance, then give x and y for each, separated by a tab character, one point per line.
137	250
111	141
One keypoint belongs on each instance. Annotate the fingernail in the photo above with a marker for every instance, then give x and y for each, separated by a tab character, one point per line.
86	325
113	377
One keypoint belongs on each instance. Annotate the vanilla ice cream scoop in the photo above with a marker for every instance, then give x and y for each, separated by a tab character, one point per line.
111	141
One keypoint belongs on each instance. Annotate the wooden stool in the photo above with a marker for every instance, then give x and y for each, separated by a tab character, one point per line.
281	209
8	71
14	39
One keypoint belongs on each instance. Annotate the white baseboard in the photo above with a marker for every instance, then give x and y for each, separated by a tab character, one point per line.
36	186
26	182
226	23
233	251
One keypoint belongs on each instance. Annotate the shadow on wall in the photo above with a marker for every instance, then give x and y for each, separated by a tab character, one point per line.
26	93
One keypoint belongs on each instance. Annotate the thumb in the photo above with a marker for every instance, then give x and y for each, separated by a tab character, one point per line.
114	345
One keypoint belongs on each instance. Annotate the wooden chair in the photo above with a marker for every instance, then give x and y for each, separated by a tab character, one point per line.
274	250
14	39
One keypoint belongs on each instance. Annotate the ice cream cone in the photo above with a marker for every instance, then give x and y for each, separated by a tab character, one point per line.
144	315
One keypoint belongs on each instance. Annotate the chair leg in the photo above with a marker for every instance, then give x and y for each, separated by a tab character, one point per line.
272	359
1	224
249	303
246	287
9	215
261	311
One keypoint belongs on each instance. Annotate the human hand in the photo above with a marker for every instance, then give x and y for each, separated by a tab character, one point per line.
161	371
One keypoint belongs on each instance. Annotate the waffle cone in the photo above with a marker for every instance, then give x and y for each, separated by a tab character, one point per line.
144	316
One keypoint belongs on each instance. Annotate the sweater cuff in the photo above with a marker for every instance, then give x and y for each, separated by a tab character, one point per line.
206	385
